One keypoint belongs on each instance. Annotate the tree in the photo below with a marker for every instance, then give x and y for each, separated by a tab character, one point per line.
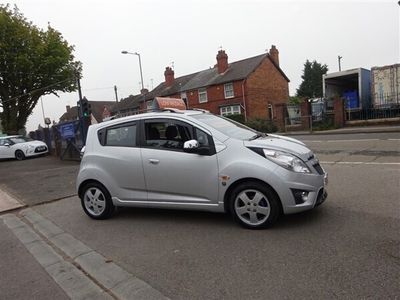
311	86
33	63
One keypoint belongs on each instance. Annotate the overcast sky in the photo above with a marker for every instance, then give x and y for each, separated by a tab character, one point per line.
189	34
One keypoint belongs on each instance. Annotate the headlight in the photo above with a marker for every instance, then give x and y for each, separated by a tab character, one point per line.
286	160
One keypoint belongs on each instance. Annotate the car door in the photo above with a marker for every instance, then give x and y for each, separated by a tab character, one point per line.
120	158
6	148
174	177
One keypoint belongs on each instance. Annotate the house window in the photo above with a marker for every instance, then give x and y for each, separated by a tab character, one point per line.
202	95
149	104
230	110
228	89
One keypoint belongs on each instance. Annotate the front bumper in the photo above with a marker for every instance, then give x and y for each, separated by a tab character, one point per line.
314	185
36	151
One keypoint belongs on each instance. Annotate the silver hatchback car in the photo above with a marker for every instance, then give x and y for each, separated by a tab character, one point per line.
199	161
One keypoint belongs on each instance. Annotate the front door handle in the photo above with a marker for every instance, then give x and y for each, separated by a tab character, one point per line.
153	161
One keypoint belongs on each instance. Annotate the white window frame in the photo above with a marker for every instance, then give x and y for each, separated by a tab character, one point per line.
227	90
202	95
230	110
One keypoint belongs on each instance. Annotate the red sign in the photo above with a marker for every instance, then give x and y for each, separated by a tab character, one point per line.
163	102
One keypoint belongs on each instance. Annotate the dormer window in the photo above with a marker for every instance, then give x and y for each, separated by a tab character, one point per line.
228	90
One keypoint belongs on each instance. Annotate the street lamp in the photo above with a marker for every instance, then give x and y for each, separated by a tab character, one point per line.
140	65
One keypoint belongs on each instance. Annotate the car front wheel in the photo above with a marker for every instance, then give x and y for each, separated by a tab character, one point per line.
19	155
254	205
96	201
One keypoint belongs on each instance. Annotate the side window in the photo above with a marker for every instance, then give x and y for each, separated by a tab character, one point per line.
166	134
123	136
202	137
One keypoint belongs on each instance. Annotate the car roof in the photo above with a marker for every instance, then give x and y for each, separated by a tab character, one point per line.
9	136
159	114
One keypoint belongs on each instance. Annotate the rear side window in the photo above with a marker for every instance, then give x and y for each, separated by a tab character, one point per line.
121	136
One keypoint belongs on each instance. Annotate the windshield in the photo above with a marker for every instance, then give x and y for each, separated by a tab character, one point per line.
20	139
228	127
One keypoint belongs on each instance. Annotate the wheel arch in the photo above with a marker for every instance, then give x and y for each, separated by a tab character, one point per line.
248	179
86	182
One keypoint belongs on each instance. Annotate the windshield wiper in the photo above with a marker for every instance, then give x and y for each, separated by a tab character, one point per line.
258	135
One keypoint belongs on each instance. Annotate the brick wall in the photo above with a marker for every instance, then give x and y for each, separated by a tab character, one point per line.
338	108
264	86
216	97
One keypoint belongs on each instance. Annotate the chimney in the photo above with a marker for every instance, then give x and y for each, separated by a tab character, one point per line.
68	108
169	76
145	91
274	54
222	61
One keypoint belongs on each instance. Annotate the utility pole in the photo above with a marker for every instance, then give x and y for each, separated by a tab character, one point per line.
80	112
116	98
339	58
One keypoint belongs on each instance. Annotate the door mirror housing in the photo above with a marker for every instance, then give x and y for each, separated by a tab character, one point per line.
7	144
191	146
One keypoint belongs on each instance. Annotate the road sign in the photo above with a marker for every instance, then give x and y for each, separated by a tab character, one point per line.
67	131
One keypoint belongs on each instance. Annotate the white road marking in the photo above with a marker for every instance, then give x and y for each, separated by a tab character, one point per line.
359	163
393	139
333	141
361	140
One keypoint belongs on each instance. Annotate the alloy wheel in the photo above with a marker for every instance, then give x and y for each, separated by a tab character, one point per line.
95	201
252	207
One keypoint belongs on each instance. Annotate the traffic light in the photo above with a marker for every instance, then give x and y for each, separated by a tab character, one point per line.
86	108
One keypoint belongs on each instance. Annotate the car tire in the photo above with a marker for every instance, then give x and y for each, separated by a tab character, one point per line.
19	155
254	205
96	201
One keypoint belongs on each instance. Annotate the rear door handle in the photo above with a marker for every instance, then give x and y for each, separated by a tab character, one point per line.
154	161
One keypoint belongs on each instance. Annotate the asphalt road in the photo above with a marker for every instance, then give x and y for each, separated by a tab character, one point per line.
347	248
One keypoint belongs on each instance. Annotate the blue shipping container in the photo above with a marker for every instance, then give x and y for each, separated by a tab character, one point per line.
352	100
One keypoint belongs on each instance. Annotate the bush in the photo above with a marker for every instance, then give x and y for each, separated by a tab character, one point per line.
258	124
262	125
237	118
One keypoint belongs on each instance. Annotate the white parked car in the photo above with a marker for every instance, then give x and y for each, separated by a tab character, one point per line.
19	147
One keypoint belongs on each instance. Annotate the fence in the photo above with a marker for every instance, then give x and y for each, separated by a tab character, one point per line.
63	140
372	113
318	116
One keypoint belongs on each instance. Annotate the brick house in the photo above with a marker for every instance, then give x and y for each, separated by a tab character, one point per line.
253	86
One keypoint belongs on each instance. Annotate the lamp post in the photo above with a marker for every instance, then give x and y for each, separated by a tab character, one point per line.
141	75
140	64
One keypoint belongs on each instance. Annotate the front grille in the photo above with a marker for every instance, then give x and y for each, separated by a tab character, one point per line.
40	149
318	168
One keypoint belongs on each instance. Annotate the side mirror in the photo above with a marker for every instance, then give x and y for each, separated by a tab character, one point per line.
191	146
7	144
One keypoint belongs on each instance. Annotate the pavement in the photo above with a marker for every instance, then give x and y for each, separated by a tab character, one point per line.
81	272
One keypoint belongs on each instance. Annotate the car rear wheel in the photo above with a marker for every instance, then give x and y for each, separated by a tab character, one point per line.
254	205
96	201
19	155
